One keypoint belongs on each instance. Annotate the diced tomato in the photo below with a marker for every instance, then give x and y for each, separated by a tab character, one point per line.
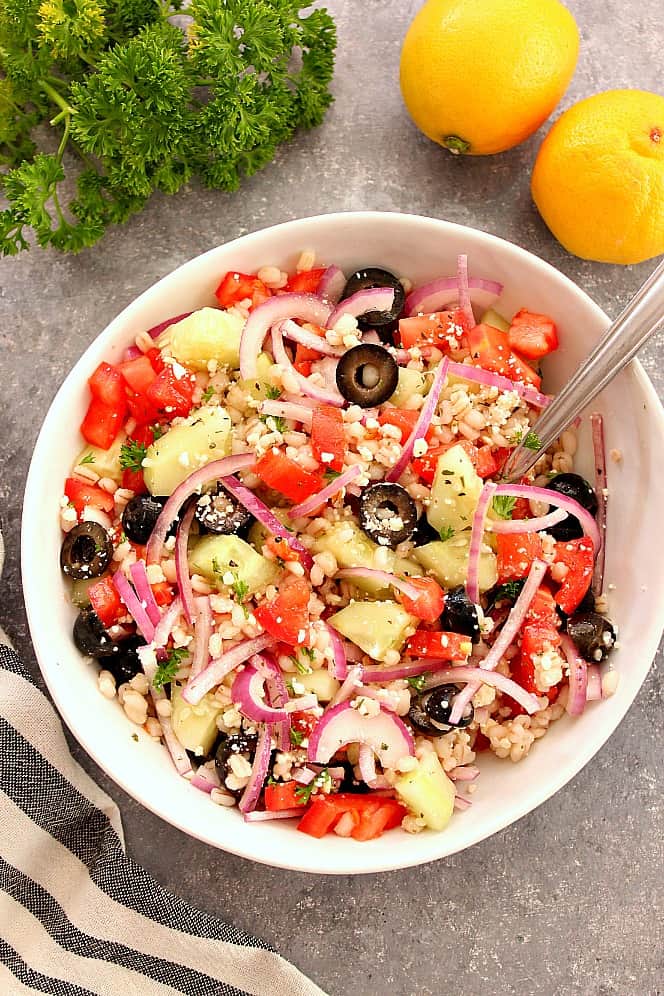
306	282
281	549
439	645
346	824
235	287
536	638
515	555
487	463
283	796
319	818
532	335
429	603
102	423
304	356
521	509
443	329
578	555
107	386
138	373
286	616
327	436
171	395
282	474
370	815
425	466
105	601
156	359
481	743
81	494
142	410
542	609
402	418
163	593
490	347
134	481
303	722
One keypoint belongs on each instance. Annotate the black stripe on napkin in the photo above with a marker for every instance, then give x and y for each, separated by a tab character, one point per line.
35	980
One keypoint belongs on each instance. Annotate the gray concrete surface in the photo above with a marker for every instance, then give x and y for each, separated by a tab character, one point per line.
570	899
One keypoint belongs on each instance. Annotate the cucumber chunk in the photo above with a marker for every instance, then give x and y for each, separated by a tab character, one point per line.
375	627
495	319
215	556
455	491
321	682
208	334
195	726
448	562
428	792
410	382
106	463
258	387
203	437
259	534
352	548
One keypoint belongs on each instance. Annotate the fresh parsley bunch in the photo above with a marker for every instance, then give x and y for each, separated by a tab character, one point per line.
103	102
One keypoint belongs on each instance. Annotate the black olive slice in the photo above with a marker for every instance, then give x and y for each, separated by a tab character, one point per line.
576	487
238	743
430	711
593	635
388	514
367	375
219	512
385	322
86	551
140	516
460	615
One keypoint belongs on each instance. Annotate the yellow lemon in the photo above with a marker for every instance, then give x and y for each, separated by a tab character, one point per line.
480	76
598	179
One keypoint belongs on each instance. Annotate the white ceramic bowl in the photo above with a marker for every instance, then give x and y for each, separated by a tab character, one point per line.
420	248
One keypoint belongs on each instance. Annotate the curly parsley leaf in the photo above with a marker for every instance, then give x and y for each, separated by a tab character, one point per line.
132	454
169	668
272	393
446	533
417	682
509	591
503	506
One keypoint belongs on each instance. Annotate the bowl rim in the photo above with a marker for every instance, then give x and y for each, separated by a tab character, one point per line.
404	858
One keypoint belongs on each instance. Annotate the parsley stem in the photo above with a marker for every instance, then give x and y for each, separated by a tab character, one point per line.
65	136
56	98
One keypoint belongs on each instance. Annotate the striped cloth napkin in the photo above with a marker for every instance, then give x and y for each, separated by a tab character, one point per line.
77	915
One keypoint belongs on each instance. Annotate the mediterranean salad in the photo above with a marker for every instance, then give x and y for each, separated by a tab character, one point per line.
296	564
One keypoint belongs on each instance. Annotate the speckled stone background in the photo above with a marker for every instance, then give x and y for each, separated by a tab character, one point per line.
570	899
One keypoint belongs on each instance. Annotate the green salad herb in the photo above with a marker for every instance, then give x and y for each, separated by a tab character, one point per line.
137	104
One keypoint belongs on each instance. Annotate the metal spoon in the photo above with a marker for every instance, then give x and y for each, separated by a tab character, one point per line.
643	316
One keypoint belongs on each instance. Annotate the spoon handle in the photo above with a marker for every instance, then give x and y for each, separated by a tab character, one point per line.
619	344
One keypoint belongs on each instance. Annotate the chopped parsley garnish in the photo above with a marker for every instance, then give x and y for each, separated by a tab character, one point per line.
296	736
300	666
503	506
330	474
132	454
280	424
241	589
272	393
417	682
88	458
304	792
446	533
157	432
168	669
532	441
207	394
509	591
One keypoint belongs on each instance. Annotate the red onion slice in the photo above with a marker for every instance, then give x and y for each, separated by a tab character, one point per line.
462	284
202	633
331	285
218	668
599	451
302	704
248	692
134	606
438	294
371	299
182	564
385	733
156	330
465	773
205	779
461	803
529	491
286	409
277	695
324	395
314	502
306	307
262	815
593	682
477	676
489	379
371	574
349	686
176	750
144	591
505	639
423	422
367	764
195	482
407	670
578	677
536	525
476	540
131	353
254	786
291	330
260	511
338	666
166	624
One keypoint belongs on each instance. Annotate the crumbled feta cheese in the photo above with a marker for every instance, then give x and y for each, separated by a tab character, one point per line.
420	448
